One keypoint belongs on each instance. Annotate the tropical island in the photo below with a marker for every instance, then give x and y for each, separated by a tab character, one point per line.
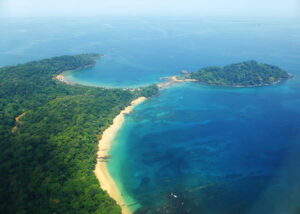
49	134
244	74
55	137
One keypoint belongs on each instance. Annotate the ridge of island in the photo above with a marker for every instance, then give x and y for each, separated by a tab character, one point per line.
244	74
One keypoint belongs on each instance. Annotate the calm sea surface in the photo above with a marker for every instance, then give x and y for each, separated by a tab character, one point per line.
192	148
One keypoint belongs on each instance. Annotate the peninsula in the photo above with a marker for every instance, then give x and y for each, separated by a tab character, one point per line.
49	134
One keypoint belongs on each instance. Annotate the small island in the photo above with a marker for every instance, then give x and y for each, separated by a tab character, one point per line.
244	74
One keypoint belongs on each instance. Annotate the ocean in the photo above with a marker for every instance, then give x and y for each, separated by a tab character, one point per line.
192	148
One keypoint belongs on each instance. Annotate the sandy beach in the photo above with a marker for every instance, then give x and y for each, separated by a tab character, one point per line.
172	80
101	172
62	78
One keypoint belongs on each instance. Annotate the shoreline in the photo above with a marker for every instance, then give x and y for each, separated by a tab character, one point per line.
172	80
63	79
246	86
106	181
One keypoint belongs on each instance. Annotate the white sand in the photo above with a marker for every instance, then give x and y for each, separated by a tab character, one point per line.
101	172
62	78
172	80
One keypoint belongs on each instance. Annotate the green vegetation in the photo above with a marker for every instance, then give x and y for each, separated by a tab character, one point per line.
248	73
47	162
147	91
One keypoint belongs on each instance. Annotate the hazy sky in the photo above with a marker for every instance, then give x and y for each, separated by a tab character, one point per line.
274	8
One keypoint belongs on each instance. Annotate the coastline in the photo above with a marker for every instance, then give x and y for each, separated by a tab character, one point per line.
61	77
106	181
246	86
172	80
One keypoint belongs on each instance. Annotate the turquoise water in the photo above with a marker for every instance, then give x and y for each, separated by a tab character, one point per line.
192	148
140	52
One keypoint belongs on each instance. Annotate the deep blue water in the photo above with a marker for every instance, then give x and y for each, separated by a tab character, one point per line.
219	150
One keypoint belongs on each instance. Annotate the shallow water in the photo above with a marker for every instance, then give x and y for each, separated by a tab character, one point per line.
192	148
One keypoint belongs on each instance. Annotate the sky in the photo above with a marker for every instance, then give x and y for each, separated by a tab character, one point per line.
256	8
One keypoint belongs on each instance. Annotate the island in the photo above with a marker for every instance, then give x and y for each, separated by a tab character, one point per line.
244	74
49	137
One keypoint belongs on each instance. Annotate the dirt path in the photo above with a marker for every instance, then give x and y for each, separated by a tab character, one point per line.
18	122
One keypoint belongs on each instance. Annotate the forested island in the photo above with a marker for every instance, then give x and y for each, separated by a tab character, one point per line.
244	74
49	133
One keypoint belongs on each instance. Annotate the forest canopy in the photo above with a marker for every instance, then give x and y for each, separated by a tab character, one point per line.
47	156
